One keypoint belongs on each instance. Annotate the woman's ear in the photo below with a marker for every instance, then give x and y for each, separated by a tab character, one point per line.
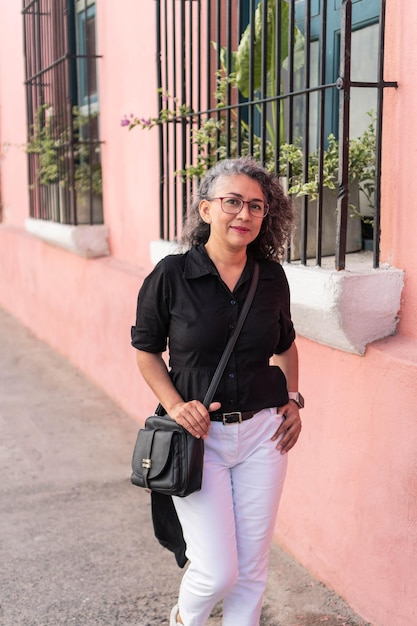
204	210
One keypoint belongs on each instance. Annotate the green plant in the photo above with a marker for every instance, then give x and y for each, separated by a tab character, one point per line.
221	134
216	137
55	147
362	155
87	171
43	143
251	65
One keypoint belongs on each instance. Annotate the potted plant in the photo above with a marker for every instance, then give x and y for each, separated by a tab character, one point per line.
362	154
87	171
44	145
66	164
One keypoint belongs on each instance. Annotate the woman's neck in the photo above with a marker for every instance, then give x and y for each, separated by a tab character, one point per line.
225	257
230	264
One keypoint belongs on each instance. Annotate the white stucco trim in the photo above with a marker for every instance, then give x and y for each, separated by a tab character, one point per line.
160	248
84	240
344	310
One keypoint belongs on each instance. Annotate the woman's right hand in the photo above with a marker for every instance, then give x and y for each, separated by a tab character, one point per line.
194	416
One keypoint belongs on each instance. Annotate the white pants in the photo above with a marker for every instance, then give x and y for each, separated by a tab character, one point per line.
228	525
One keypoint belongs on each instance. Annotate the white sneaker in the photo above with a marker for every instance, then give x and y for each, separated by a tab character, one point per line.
173	616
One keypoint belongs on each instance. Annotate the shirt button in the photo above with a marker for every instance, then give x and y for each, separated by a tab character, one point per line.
231	375
232	302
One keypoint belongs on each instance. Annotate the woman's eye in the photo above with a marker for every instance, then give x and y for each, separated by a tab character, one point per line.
231	201
256	207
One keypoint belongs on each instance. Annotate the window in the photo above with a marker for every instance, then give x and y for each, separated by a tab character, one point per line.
284	94
365	57
86	52
65	182
269	72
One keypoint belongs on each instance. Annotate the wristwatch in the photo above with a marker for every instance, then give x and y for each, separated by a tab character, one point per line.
297	397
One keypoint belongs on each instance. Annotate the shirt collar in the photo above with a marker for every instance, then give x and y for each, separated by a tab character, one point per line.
198	264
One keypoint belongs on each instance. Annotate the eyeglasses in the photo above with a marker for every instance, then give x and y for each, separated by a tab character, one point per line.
233	206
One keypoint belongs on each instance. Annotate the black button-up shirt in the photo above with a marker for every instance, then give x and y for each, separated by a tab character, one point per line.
185	301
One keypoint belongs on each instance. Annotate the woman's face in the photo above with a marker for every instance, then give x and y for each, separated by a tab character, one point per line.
233	231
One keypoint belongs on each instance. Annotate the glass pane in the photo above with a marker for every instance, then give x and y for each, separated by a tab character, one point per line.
91	52
364	67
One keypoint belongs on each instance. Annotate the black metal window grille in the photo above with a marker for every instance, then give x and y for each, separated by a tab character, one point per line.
65	179
207	113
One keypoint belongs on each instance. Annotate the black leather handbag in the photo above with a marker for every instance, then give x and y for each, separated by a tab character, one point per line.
167	459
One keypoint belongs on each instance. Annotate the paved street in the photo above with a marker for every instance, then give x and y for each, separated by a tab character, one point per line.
76	541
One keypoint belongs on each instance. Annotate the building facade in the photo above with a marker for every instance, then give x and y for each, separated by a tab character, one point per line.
349	509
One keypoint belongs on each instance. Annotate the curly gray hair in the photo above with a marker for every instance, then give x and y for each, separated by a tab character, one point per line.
276	227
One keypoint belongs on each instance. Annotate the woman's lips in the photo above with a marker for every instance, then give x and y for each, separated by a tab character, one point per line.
240	229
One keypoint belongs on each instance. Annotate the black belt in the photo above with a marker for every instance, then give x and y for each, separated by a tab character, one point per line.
236	417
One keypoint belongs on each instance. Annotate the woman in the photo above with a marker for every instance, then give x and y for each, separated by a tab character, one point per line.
240	214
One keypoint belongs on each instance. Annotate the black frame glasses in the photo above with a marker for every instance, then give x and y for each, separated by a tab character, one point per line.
233	206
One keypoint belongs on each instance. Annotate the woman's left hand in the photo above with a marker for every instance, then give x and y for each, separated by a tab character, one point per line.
290	428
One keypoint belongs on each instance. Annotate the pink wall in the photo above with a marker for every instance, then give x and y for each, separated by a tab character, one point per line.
130	159
349	508
84	308
399	214
13	159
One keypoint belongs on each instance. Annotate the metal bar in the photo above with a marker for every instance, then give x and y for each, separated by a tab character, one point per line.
208	54
277	87
218	40
251	109
344	126
319	215
160	128
264	78
167	150
228	70
182	181
291	94
306	137
174	138
299	92
378	162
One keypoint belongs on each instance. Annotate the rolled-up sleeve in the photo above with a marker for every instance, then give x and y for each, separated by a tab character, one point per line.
152	314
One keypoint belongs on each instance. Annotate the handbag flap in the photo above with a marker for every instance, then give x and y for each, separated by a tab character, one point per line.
153	449
162	442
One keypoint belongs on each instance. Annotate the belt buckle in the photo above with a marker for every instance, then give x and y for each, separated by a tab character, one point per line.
228	419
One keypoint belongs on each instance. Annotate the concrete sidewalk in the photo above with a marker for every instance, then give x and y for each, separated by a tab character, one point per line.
76	538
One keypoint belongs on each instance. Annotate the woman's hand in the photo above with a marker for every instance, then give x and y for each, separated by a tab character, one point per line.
290	428
194	417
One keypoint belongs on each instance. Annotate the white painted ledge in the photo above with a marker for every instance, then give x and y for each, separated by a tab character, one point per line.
160	248
346	309
87	241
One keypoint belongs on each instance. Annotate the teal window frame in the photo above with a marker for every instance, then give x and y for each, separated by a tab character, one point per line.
82	17
364	13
